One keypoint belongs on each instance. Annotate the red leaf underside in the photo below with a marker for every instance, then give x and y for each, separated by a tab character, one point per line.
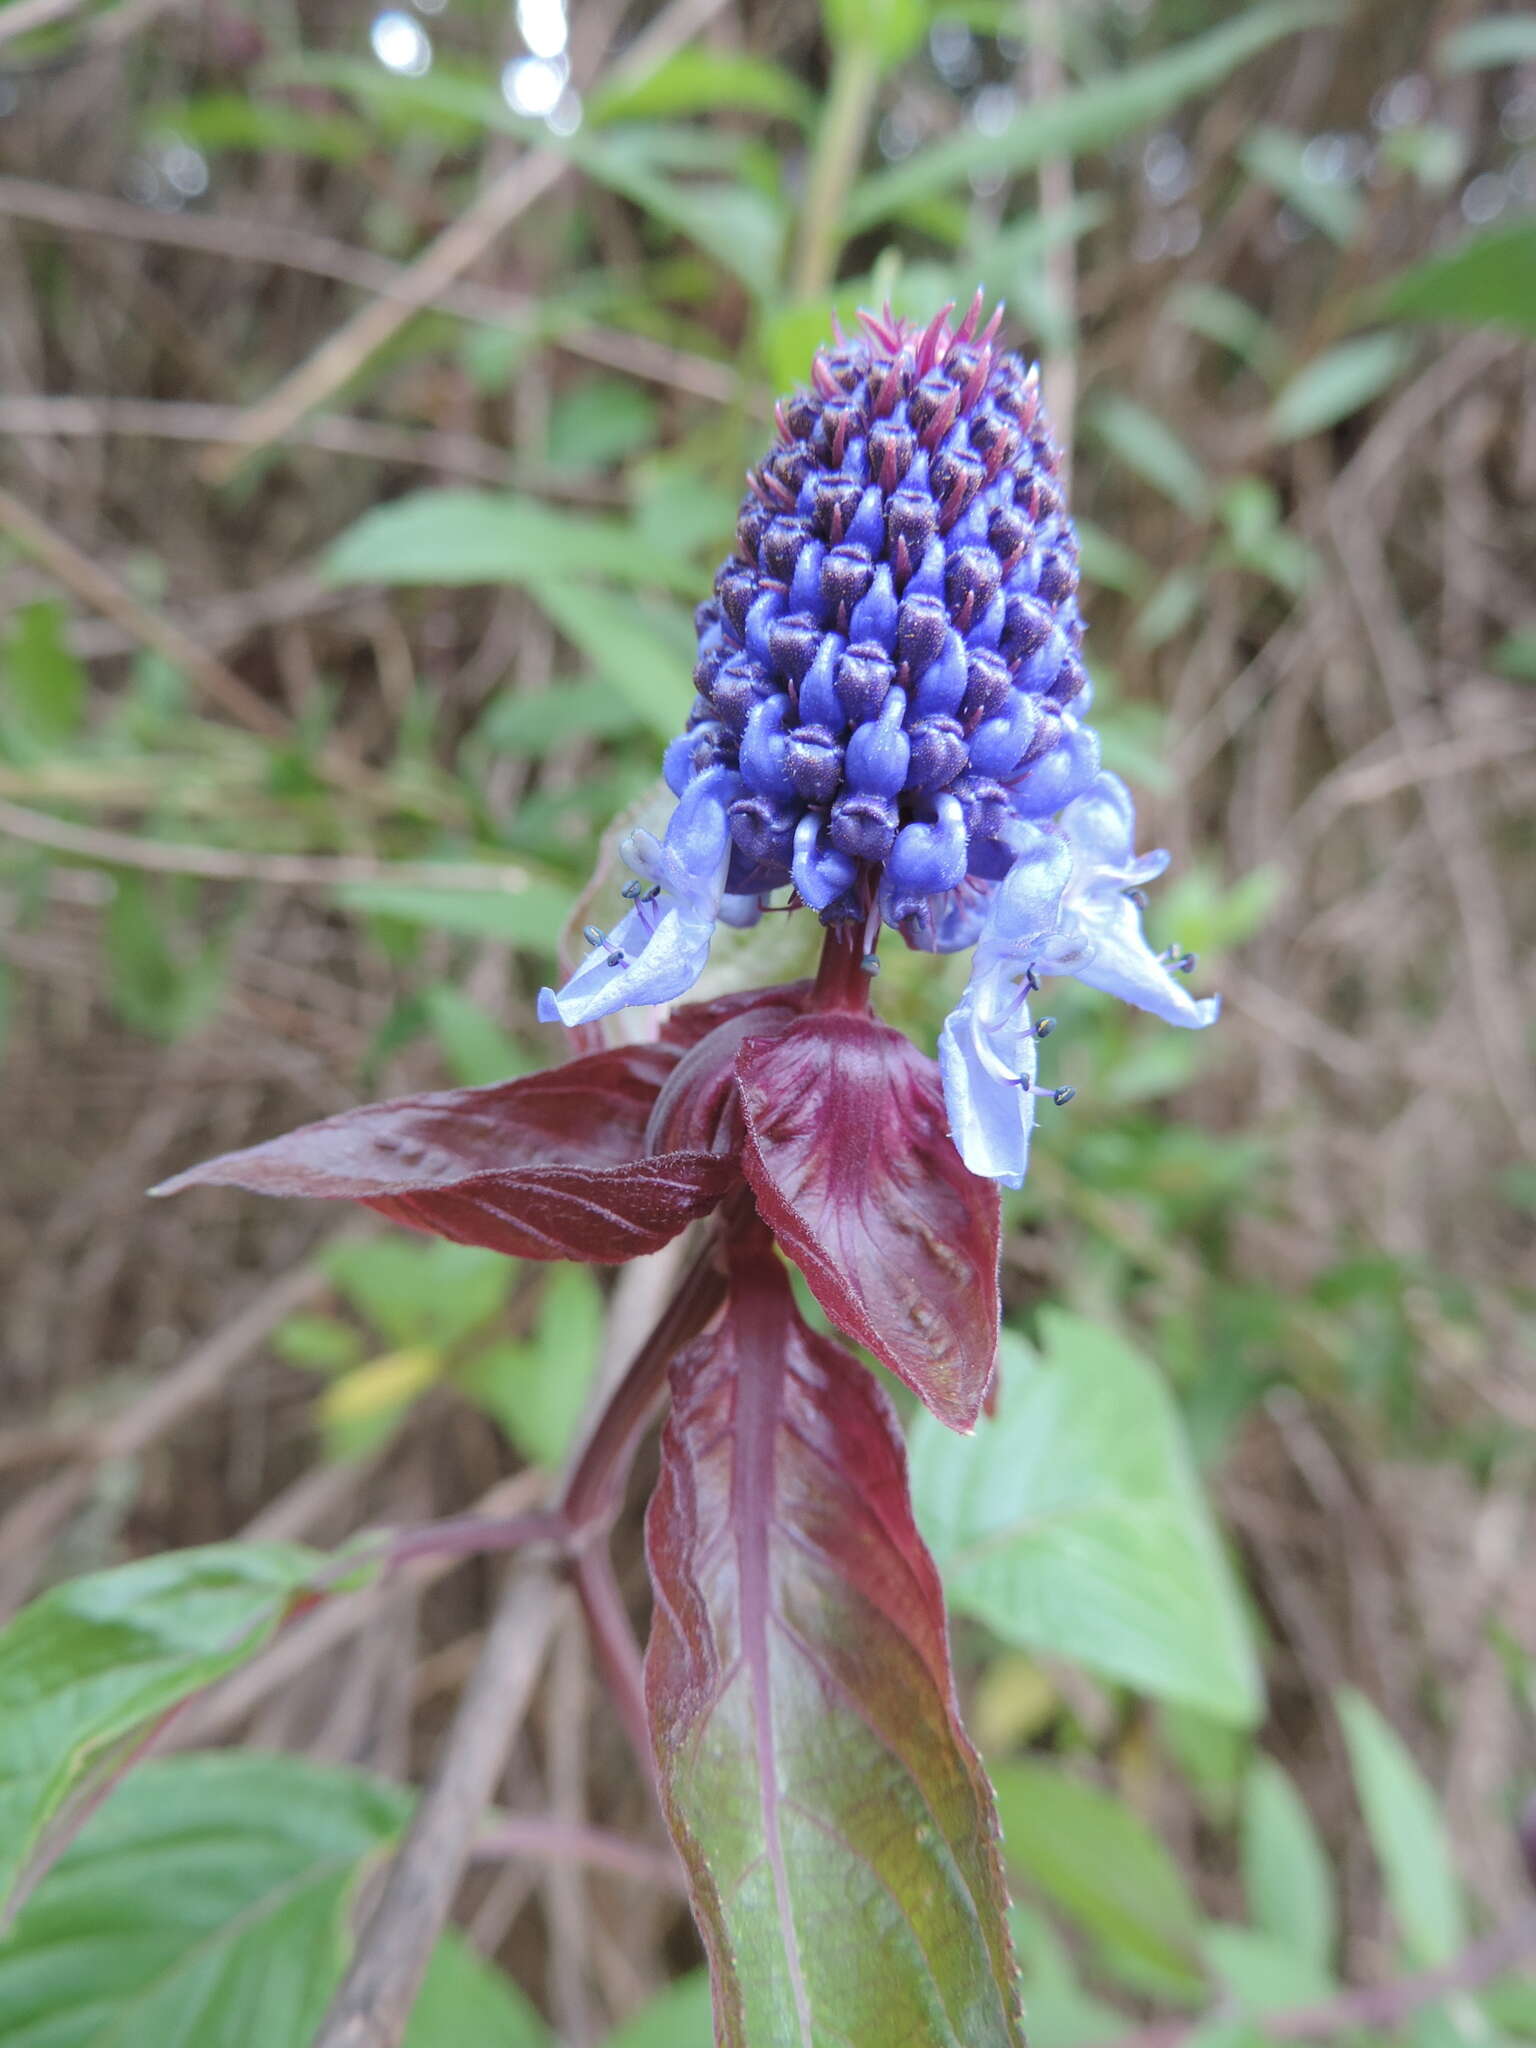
549	1167
837	1828
849	1155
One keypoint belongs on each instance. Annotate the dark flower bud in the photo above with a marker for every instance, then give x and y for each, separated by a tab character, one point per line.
797	415
740	683
911	519
891	449
781	545
1026	628
1047	733
1007	534
839	369
814	761
834	500
1058	576
764	830
839	424
845	576
706	616
786	470
1070	680
985	805
933	408
1038	497
956	477
707	667
921	627
994	437
751	524
971	581
792	644
938	754
864	675
987	686
736	588
863	826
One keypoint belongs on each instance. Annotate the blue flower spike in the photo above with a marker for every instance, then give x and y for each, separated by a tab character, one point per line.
889	722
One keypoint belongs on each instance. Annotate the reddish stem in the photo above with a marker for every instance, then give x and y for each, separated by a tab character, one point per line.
841	982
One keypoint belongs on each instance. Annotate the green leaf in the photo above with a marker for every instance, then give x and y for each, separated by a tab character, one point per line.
1515	655
1087	118
316	1343
1480	45
476	1048
1286	1877
888	30
42	686
1229	321
214	121
1093	1859
1277	158
682	2016
538	1391
417	1293
530	914
1408	1835
599	422
732	221
533	723
642	651
1147	445
1074	1523
1061	2013
209	1905
1263	1975
1482	280
1338	383
91	1664
463	537
836	1826
160	980
697	80
464	2003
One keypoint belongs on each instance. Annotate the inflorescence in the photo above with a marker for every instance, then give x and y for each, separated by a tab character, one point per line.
889	719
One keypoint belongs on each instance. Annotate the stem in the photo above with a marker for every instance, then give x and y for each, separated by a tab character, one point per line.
590	1496
614	1646
840	144
841	983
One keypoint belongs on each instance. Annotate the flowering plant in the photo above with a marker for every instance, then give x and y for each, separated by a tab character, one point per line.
889	726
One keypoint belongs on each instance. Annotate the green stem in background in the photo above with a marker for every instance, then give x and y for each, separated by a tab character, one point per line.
840	144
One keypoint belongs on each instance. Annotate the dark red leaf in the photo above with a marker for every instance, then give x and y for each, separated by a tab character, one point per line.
690	1022
849	1155
838	1831
549	1167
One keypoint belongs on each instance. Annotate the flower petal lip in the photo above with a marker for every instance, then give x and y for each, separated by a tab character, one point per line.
848	1153
549	1167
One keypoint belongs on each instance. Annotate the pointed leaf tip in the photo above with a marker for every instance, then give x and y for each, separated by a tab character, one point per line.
849	1155
553	1166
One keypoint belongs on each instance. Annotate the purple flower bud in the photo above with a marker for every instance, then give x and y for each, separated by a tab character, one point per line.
939	753
922	625
988	686
846	574
814	761
763	746
834	500
764	830
792	644
971	581
863	825
781	545
736	589
864	674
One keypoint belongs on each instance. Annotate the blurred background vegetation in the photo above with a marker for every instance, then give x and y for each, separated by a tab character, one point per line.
376	387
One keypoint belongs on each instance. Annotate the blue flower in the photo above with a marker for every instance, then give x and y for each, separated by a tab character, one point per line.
657	952
1067	906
